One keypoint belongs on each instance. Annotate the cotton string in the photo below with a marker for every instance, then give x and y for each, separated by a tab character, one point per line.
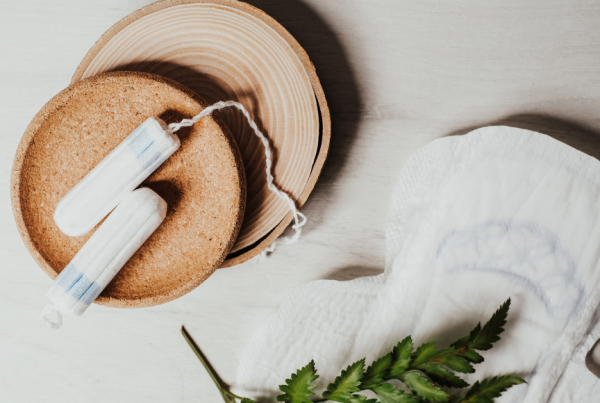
299	218
48	310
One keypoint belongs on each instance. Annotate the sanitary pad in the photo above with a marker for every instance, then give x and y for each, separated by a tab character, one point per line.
475	219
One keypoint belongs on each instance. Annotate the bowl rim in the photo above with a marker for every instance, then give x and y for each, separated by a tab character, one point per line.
28	137
322	106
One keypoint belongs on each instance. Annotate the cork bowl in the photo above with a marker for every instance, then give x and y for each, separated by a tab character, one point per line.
203	183
227	49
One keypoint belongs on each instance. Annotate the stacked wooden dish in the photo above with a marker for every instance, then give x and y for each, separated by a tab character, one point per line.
221	50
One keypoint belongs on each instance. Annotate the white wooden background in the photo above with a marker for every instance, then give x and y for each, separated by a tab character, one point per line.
397	73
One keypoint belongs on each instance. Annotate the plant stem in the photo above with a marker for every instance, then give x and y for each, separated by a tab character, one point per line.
224	393
232	395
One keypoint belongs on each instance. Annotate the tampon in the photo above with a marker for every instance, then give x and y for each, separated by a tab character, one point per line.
107	251
103	188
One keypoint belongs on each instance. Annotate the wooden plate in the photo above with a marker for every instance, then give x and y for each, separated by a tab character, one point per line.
225	49
203	183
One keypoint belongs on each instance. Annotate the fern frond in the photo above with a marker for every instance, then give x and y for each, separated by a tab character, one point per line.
300	385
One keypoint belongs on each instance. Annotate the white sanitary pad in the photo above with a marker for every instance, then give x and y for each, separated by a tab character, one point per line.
101	190
476	219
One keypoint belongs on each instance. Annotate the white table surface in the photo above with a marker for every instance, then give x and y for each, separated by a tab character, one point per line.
397	74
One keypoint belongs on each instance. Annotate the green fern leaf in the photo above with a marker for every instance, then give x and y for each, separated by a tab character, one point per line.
376	373
471	356
424	353
463	342
388	394
246	400
347	383
299	387
490	388
401	356
420	385
456	363
361	399
492	329
442	376
483	338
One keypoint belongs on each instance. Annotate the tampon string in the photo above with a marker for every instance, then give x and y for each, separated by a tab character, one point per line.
299	218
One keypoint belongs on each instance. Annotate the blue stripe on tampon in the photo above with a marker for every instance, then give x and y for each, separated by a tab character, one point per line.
91	294
140	145
76	284
139	141
148	159
80	287
68	277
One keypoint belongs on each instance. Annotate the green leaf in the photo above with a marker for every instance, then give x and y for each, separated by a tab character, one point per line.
375	374
463	342
299	387
361	399
456	363
490	388
423	387
401	355
442	376
246	400
424	353
492	329
388	394
347	383
483	338
472	356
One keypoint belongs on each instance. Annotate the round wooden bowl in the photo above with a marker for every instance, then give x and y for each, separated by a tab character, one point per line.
203	183
226	49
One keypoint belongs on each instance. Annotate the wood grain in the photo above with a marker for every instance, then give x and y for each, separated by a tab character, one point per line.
397	75
203	183
228	50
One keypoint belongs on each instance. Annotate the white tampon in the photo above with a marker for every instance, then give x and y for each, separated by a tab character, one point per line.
105	253
103	188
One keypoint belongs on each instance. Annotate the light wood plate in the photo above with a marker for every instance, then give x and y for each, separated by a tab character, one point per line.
225	49
203	183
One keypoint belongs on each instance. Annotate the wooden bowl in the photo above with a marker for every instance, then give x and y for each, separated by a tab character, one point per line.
203	183
226	49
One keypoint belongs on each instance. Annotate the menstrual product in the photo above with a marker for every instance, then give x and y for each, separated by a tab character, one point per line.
124	169
107	251
500	212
